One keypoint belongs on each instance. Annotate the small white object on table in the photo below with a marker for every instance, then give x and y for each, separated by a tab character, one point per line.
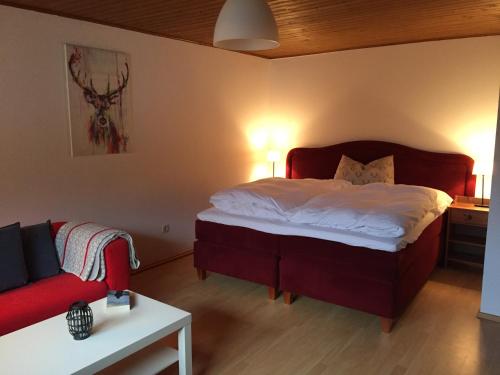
47	347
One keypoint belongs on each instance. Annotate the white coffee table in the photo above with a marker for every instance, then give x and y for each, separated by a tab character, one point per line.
48	348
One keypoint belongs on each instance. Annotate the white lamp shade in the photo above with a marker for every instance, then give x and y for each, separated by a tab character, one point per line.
246	25
273	156
482	168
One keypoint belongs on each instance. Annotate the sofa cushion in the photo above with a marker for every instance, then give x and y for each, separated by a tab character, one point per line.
44	299
40	252
12	267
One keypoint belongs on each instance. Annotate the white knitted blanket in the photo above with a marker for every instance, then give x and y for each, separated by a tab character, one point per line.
80	247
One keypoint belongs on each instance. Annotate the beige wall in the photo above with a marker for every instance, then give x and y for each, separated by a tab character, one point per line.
439	96
205	119
190	106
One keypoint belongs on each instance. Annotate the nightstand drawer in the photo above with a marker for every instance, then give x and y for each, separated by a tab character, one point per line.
469	217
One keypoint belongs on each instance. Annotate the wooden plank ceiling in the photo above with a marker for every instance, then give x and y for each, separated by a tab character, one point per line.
305	26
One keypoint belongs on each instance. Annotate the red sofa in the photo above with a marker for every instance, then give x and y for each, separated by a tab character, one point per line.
48	297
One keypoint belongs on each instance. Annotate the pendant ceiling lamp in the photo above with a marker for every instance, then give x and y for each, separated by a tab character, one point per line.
246	25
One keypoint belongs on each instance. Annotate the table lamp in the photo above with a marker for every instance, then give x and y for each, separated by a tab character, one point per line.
482	169
273	156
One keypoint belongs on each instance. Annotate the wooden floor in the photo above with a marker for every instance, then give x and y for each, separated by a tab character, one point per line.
237	330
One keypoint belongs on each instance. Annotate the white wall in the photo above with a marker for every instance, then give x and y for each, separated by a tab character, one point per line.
190	107
490	301
439	96
205	118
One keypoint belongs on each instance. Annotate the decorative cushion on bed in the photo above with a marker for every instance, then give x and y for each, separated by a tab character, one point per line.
380	170
12	269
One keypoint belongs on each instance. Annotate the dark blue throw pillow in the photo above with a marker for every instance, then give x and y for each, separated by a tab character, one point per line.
39	251
12	267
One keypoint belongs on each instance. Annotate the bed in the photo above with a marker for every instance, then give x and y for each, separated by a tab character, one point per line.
377	282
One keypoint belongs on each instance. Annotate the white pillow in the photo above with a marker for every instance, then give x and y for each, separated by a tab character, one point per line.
380	170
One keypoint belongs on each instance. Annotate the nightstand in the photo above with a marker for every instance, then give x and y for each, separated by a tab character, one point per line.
466	232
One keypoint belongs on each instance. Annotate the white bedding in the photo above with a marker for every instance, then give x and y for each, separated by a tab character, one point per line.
378	209
291	229
272	198
381	210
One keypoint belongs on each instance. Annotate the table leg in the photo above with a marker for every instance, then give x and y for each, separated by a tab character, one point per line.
185	356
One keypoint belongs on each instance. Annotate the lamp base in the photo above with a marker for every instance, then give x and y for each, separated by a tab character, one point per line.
482	205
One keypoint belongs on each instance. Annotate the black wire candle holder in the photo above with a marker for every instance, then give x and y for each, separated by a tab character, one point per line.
80	320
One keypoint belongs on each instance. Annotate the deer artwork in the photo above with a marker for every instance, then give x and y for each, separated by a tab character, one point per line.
101	127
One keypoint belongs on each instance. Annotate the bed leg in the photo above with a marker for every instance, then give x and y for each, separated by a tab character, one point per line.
386	324
202	274
288	297
272	293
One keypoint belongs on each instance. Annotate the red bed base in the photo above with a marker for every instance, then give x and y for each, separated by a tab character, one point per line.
377	282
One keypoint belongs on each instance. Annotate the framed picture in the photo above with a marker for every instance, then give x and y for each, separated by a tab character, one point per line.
100	111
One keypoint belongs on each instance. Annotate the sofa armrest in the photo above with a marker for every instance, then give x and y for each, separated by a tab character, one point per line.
116	258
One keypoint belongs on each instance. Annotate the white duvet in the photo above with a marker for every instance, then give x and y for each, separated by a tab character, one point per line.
381	210
272	198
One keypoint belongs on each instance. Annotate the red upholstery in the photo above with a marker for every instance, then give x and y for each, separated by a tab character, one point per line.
235	251
116	258
448	172
55	228
48	297
378	282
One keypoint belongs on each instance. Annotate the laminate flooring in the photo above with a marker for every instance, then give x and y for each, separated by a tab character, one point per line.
237	330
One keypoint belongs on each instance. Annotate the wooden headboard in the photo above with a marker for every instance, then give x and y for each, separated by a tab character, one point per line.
448	172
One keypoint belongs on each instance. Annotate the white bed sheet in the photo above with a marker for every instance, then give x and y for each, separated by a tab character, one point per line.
306	230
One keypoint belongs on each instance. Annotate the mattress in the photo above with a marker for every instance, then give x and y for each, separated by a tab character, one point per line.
274	226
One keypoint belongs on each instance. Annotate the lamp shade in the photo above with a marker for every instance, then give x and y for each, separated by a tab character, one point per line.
273	156
246	25
482	168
